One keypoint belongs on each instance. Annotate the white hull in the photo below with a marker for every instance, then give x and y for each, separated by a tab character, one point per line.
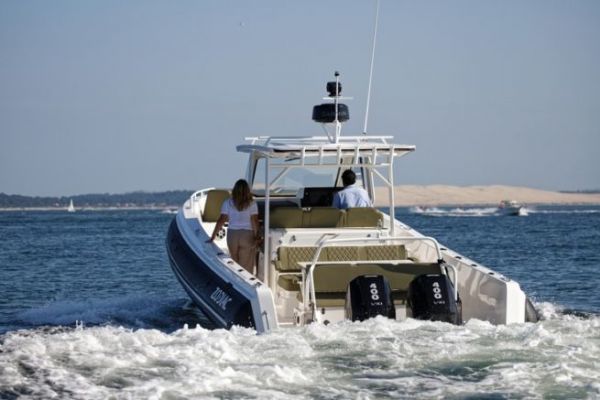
226	293
510	210
510	207
320	264
485	294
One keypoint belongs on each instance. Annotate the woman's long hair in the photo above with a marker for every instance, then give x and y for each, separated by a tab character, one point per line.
240	194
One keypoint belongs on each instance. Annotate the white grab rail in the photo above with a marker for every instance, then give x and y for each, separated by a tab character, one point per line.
309	286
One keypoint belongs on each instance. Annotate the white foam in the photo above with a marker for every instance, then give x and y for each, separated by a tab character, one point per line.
134	309
533	210
375	358
455	212
491	211
524	211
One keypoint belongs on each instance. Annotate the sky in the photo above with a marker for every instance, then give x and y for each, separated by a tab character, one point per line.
117	96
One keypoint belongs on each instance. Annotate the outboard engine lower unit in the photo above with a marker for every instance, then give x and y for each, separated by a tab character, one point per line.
368	296
432	297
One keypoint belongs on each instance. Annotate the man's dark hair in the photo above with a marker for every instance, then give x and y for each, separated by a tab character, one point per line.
348	177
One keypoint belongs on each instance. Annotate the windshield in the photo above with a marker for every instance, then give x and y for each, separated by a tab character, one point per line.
287	178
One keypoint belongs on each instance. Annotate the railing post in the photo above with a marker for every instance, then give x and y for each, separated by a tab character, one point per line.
266	238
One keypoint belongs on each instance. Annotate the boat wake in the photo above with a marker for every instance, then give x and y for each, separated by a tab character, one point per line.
455	212
491	211
131	312
410	359
533	210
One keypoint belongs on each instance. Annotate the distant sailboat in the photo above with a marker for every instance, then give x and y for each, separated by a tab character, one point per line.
71	207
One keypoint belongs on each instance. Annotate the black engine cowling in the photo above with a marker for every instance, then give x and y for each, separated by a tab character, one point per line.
368	296
431	297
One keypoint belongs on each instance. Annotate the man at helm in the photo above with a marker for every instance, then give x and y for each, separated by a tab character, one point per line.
352	195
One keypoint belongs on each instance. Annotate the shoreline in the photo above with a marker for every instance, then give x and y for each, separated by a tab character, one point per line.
165	209
410	196
446	195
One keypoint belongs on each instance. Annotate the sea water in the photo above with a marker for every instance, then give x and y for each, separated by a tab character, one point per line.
89	309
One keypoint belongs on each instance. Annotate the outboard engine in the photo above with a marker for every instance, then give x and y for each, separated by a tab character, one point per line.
432	297
368	296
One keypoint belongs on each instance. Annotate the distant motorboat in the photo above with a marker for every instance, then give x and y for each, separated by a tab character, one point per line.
510	207
71	207
426	210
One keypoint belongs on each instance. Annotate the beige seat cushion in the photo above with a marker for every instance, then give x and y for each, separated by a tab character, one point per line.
286	217
289	257
323	217
385	252
316	217
214	201
363	217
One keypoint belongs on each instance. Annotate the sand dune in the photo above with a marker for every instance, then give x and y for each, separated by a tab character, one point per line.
434	195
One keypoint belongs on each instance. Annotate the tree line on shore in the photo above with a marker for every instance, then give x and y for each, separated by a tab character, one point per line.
172	198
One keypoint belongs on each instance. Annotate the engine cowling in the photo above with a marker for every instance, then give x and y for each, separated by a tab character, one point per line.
431	297
368	296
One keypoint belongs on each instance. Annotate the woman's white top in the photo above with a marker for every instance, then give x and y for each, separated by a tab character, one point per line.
239	220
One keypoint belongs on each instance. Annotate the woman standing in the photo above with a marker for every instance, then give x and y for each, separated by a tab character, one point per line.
243	232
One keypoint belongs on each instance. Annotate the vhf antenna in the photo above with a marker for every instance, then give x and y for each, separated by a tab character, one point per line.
371	70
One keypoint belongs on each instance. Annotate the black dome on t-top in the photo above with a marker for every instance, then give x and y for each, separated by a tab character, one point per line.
325	113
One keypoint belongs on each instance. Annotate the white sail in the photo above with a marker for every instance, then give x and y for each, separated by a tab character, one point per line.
71	207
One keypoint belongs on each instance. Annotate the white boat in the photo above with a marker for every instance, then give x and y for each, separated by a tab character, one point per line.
319	264
71	207
510	207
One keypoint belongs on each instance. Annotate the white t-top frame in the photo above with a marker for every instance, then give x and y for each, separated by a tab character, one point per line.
374	154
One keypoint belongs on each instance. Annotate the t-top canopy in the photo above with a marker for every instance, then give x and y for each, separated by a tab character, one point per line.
311	146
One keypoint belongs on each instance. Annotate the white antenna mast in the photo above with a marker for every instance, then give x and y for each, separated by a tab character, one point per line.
371	70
